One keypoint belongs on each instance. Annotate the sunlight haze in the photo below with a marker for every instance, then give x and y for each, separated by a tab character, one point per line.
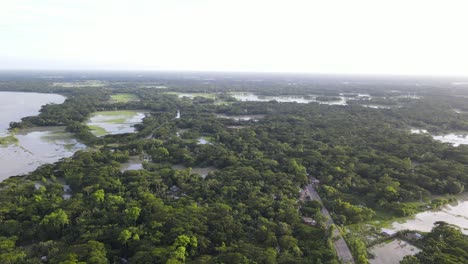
363	36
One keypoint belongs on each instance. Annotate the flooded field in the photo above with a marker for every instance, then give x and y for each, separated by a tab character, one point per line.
456	139
114	122
454	213
196	170
282	99
288	99
193	95
203	141
134	163
36	147
241	117
28	149
391	252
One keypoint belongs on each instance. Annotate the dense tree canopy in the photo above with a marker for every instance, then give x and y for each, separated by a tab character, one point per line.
244	211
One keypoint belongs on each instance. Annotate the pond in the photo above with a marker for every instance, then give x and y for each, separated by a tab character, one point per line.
36	147
391	252
114	122
455	213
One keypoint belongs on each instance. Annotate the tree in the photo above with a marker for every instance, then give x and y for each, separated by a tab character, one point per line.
56	219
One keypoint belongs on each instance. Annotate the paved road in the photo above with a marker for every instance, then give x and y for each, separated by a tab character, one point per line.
341	248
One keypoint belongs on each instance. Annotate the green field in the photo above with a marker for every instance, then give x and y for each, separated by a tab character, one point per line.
97	130
123	98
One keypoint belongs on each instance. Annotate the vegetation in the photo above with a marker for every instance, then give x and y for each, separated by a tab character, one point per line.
247	210
445	244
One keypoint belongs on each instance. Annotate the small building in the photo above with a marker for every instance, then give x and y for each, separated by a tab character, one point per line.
414	236
309	221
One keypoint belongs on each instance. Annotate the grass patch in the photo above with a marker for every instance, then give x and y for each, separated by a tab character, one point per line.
97	130
123	98
8	140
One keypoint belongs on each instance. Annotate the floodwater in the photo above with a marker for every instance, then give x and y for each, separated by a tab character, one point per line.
454	213
203	141
392	252
196	170
452	138
286	99
281	99
114	122
456	139
134	163
16	105
36	147
241	117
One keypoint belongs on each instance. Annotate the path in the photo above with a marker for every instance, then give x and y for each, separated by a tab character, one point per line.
158	127
341	248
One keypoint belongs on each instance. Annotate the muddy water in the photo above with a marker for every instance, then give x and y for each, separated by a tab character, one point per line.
392	252
454	213
456	139
36	147
241	117
16	105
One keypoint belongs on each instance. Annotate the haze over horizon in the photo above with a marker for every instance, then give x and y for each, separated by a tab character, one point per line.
333	37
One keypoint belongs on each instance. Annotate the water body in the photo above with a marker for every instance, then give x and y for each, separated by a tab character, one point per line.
455	213
36	147
16	105
241	117
456	139
285	99
203	141
134	163
392	252
196	170
281	99
114	122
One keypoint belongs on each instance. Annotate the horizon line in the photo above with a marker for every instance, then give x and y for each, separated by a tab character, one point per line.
405	75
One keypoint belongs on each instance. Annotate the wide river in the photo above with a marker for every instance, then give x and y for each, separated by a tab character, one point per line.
35	146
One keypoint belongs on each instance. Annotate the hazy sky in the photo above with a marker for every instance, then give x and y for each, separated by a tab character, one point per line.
328	36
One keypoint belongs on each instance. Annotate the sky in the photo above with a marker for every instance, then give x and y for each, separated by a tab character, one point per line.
427	37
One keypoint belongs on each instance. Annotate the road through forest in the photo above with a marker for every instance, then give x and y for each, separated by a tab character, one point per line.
341	248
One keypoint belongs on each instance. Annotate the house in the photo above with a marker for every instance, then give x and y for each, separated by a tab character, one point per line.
414	236
309	221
